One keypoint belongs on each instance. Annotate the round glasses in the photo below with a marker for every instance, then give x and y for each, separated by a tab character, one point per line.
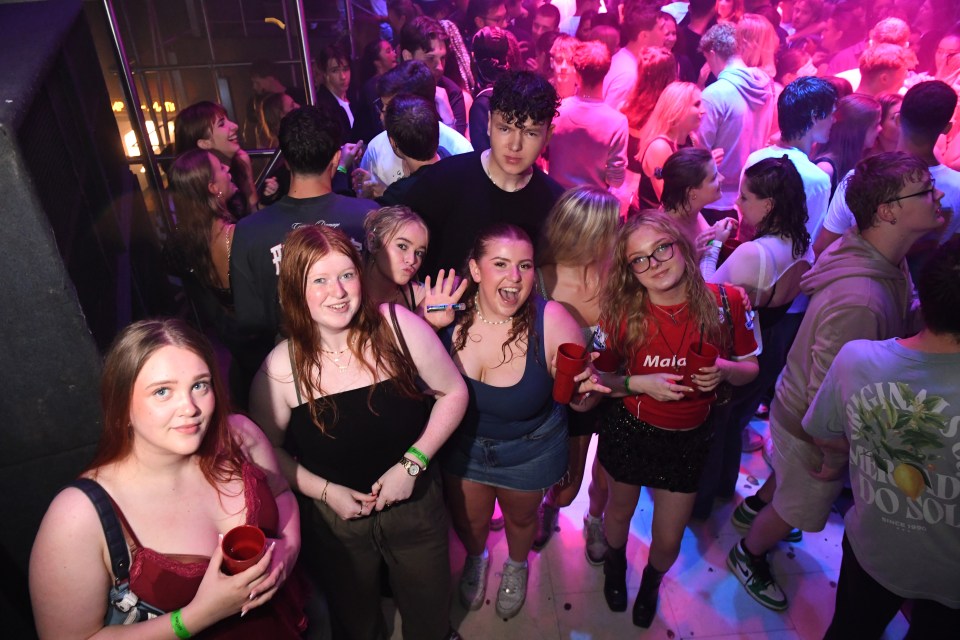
640	264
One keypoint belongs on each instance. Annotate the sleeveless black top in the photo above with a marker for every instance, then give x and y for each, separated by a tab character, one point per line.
359	444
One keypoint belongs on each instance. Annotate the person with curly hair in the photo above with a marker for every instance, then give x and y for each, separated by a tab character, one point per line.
656	310
512	443
461	195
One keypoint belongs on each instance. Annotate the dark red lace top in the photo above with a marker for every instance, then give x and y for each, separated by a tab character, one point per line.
170	582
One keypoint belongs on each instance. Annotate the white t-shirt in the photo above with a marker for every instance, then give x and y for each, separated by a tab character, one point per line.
816	182
380	160
840	218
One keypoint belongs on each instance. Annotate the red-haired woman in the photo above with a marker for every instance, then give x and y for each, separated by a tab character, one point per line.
355	438
179	470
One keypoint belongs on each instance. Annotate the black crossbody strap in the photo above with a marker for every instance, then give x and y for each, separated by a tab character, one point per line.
729	319
116	544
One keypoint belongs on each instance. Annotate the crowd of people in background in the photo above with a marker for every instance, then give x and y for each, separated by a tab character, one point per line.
759	187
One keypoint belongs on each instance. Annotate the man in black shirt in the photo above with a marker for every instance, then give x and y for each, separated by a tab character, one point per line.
310	139
461	195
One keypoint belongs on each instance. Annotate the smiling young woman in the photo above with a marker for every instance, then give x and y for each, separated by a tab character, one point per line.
512	443
206	125
355	437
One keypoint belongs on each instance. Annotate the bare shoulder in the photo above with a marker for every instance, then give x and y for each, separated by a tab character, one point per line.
246	431
277	364
556	312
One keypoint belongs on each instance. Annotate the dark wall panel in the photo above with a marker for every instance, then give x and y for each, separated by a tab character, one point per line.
77	263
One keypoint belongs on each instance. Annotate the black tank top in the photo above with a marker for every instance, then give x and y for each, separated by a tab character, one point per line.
361	444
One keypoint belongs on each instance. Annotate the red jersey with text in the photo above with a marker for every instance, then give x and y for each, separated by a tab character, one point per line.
672	331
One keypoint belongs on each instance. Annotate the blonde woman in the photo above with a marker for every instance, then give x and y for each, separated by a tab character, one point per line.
757	42
673	121
575	250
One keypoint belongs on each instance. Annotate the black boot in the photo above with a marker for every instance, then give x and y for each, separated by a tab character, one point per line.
615	578
645	606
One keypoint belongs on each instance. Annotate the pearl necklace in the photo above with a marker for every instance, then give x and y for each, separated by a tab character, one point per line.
476	303
336	360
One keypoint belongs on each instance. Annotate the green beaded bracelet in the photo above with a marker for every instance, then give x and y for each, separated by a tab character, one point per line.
419	455
178	627
626	384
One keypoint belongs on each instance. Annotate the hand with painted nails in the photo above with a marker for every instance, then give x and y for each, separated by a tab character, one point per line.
220	596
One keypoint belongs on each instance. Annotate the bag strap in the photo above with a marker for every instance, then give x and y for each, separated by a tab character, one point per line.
116	544
400	338
729	317
293	372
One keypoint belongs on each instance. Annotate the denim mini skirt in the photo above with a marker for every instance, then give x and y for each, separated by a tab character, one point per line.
532	462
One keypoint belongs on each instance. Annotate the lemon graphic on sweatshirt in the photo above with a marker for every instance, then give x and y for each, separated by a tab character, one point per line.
909	479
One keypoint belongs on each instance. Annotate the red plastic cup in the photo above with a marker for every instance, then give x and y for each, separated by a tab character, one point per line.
243	547
571	361
706	357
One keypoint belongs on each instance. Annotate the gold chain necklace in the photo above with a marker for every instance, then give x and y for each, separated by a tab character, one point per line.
673	316
336	360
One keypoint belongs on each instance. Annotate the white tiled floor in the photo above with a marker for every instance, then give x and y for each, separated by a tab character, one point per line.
699	597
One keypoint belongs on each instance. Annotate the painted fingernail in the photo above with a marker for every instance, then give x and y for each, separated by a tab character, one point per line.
243	613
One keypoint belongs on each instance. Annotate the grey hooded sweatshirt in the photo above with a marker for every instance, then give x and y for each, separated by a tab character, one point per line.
741	113
855	293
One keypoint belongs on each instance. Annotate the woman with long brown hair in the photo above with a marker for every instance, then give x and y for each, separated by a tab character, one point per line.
656	309
201	186
512	443
178	470
206	125
355	437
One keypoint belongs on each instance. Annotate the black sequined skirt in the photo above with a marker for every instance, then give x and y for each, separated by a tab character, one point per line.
637	453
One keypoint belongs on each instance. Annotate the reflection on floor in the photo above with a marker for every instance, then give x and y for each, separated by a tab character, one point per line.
699	597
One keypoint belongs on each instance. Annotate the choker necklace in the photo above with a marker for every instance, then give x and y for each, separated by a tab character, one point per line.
338	354
673	316
520	185
476	303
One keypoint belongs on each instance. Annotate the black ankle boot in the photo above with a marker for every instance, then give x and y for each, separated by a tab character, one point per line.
645	606
615	578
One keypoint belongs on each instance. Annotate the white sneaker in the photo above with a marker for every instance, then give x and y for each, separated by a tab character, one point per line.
513	590
473	581
593	532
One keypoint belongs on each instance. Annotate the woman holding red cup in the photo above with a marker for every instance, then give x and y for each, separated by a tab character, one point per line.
512	443
656	308
179	469
573	259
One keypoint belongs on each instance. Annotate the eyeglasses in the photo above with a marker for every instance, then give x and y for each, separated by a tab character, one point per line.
932	188
378	105
640	264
